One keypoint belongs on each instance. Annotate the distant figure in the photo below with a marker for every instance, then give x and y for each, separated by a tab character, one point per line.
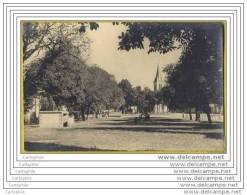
142	117
105	114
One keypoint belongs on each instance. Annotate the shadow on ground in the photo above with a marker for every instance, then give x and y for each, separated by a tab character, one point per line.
34	146
162	125
165	125
166	122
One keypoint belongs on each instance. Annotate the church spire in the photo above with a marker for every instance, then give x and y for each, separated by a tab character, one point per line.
158	71
156	79
160	80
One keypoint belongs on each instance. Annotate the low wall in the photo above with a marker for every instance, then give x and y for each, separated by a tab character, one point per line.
52	119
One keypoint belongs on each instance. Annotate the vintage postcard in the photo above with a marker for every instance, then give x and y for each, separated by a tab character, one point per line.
123	97
123	86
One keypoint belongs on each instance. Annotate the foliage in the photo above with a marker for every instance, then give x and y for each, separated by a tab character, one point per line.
128	92
70	82
196	81
102	92
47	103
42	37
145	100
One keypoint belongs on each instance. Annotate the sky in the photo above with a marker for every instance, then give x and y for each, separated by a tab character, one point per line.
137	65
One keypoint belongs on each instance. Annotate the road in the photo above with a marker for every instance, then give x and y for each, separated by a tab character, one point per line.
168	133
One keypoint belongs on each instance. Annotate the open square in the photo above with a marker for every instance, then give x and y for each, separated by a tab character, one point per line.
168	132
110	86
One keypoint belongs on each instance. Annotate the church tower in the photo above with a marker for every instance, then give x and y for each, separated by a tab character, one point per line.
159	80
159	83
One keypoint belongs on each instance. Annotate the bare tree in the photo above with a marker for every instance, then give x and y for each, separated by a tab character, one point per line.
42	37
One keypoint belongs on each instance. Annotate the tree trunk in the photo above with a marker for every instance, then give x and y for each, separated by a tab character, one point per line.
209	117
207	110
190	113
198	117
83	114
87	113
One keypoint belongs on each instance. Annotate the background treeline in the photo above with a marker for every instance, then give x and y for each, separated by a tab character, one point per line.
62	77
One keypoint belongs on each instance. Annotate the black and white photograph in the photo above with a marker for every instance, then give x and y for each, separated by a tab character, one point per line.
131	97
123	86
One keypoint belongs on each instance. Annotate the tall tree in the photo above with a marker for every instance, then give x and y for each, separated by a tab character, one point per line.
42	37
70	82
102	92
198	80
145	100
45	41
128	92
61	75
200	66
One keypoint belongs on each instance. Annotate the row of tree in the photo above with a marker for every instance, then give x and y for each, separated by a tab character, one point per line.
65	79
143	99
60	77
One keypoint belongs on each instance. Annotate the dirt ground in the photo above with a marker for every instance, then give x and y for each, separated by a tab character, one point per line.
163	132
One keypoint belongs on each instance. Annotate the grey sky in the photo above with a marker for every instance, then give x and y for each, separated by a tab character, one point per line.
136	65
